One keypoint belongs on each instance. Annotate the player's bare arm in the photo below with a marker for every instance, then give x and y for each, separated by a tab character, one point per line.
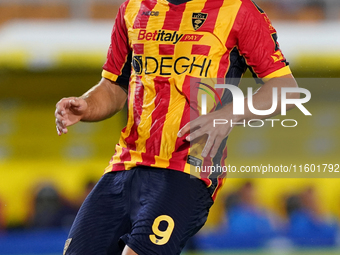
262	100
100	102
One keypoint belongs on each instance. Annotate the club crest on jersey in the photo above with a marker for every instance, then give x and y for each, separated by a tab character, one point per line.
198	19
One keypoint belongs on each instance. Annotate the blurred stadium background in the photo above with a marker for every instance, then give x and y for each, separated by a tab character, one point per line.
55	48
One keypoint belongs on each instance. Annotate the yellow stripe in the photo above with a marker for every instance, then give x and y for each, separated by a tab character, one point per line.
187	168
155	22
161	162
108	75
226	19
131	12
281	72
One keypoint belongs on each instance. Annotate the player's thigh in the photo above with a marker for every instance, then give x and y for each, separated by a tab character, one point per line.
101	219
171	207
128	251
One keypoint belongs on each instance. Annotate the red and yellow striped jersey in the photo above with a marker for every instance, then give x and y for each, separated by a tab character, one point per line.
157	48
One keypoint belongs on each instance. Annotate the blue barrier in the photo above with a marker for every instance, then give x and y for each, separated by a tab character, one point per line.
33	242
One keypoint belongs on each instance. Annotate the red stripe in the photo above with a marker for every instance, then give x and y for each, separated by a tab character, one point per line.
119	47
162	100
121	157
212	7
142	18
118	167
124	156
224	65
230	44
166	49
138	48
200	50
137	112
173	17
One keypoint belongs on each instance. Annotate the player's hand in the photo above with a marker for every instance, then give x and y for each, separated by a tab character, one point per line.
69	111
204	125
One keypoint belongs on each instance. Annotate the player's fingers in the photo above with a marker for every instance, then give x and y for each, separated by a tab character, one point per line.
60	122
208	145
74	102
184	130
79	103
192	125
60	110
59	131
60	116
61	106
61	125
215	147
197	133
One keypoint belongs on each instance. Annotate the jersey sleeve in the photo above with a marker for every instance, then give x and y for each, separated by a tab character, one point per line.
117	67
257	42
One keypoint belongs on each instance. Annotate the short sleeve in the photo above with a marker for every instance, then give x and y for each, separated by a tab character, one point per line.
118	62
257	42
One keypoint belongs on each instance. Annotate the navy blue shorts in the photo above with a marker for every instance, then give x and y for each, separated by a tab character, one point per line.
153	211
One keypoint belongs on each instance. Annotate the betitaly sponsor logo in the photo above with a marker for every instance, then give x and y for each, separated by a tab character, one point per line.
166	36
159	35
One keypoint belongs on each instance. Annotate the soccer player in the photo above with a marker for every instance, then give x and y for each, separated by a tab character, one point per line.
147	202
